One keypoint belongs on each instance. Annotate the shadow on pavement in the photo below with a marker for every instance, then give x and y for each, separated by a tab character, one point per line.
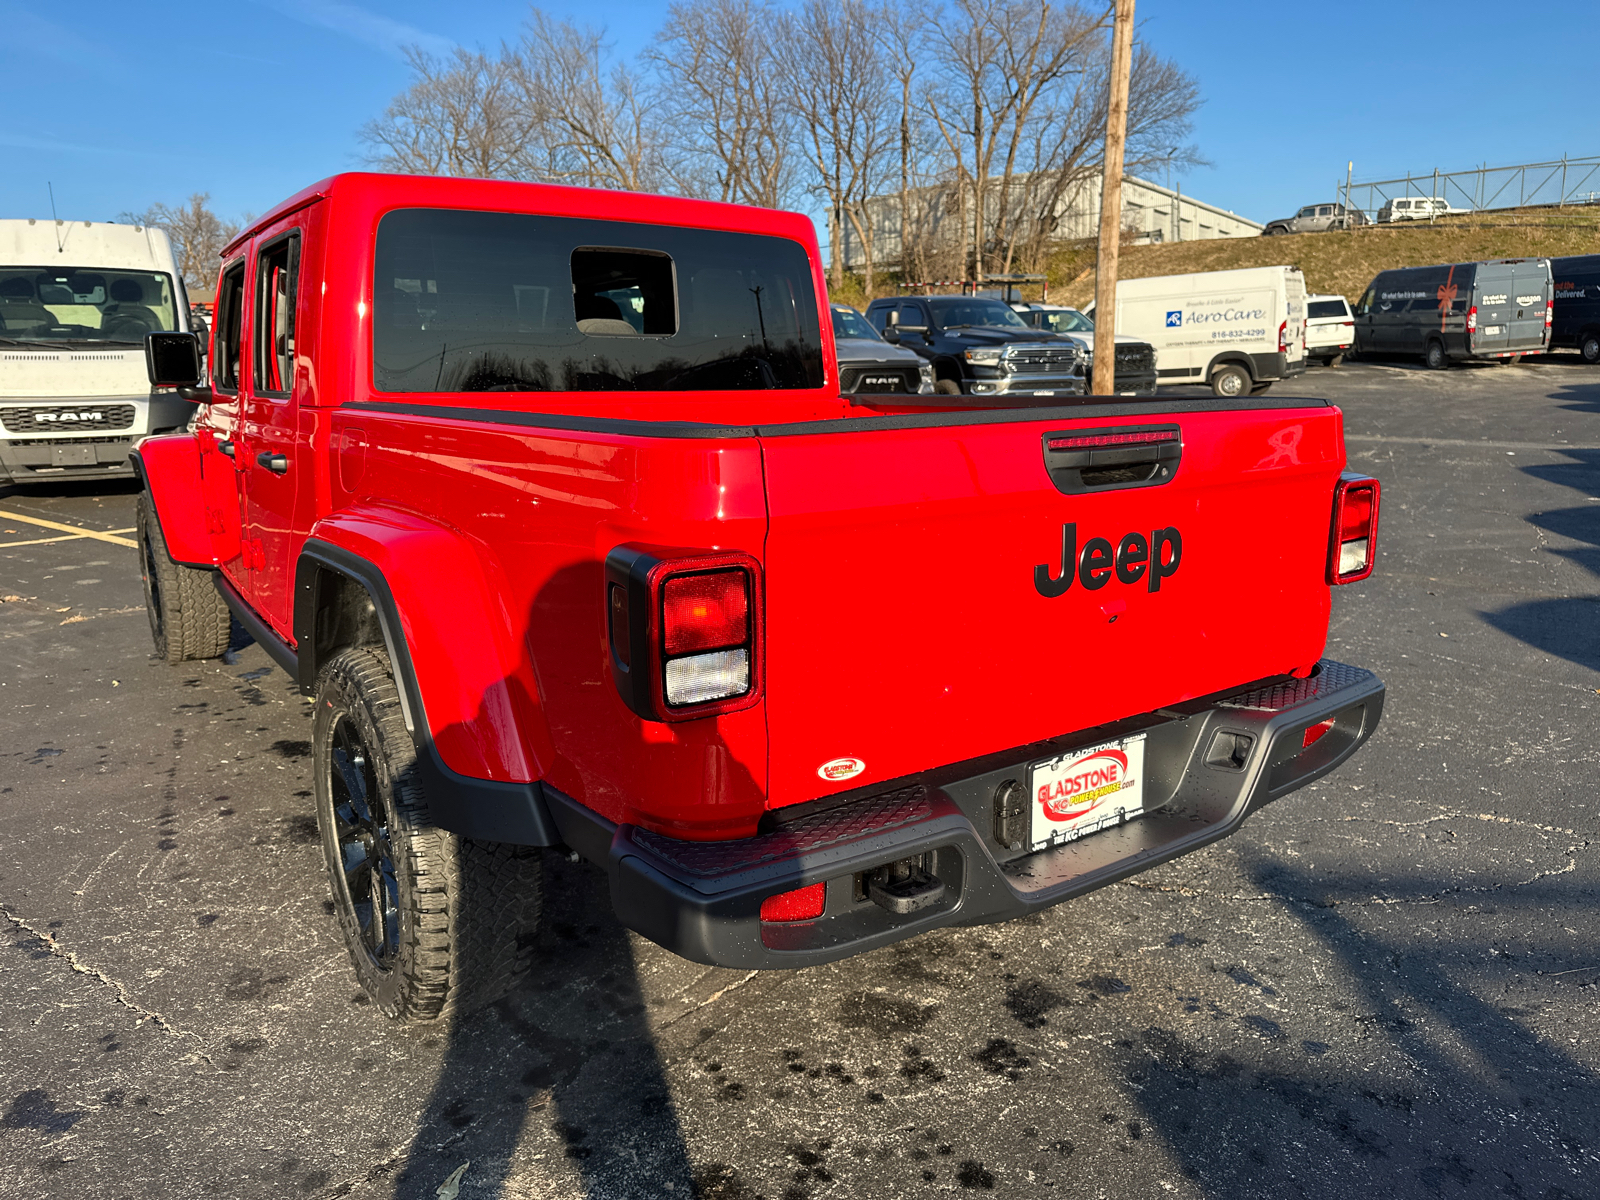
70	488
570	1049
1315	1122
1567	627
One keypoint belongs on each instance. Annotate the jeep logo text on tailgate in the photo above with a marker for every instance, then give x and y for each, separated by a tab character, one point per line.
1136	557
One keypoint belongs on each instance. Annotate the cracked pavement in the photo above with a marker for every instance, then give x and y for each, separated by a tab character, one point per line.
1388	982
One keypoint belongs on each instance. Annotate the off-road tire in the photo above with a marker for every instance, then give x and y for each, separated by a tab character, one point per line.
1434	357
1230	381
947	387
464	913
188	618
1589	348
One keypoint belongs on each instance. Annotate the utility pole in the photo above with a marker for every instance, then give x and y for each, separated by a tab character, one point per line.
1105	284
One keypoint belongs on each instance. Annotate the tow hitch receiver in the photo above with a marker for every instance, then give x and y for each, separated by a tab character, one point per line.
903	887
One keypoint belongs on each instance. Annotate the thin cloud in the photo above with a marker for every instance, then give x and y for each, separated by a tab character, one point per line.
382	34
31	36
21	141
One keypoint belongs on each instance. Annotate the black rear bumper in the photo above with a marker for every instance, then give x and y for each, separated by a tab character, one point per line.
703	899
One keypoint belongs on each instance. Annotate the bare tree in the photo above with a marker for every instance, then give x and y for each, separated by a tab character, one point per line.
1005	61
462	115
722	93
986	118
587	124
841	96
198	237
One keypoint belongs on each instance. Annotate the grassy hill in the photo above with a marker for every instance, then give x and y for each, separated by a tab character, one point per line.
1344	263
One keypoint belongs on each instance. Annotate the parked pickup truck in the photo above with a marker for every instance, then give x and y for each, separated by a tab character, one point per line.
549	499
1136	358
979	347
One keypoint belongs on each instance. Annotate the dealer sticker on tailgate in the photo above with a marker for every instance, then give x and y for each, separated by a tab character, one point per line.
1087	790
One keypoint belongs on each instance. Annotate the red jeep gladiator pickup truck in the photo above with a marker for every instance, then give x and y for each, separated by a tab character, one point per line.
549	500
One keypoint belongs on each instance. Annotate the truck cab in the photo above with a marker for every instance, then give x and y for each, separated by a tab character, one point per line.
979	347
76	300
549	501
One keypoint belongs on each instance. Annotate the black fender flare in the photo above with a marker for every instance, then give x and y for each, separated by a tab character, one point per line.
485	809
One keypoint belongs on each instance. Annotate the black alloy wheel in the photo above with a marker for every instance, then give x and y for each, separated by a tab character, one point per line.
152	586
367	882
435	924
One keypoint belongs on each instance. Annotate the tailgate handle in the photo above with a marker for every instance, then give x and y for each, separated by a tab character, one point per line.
1091	460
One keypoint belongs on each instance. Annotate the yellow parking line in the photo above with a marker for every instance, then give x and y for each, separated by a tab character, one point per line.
72	529
66	537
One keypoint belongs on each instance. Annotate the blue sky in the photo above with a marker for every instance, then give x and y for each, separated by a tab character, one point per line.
122	105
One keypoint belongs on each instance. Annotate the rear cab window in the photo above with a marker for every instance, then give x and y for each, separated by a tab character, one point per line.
1326	308
468	301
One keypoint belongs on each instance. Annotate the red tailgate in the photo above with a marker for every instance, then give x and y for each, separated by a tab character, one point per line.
905	627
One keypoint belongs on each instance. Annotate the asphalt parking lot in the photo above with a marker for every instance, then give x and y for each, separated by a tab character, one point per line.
1387	984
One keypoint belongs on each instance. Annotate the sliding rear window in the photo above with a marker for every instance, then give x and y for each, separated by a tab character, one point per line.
510	302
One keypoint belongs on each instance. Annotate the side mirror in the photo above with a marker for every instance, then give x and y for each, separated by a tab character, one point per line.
891	334
922	329
172	359
197	326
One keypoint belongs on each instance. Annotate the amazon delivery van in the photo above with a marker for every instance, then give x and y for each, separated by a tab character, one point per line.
76	299
1238	331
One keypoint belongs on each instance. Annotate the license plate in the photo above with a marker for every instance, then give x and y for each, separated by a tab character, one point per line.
72	456
1494	329
1080	793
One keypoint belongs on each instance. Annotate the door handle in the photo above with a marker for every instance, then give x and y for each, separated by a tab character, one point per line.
226	448
278	464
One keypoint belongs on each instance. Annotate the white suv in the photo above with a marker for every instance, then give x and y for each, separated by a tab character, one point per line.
1330	329
1416	208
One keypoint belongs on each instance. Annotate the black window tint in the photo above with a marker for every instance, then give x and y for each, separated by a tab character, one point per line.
476	301
1325	308
230	328
912	315
273	361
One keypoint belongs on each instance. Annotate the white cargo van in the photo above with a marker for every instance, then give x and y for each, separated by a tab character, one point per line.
1238	331
76	299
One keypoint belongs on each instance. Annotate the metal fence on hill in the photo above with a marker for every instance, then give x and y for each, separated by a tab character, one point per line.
1567	181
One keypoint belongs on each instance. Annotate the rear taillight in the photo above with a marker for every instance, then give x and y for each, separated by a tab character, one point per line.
1549	313
1353	546
1472	319
1283	337
683	631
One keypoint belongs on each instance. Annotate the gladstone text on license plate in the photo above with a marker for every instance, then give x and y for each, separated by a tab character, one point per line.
1085	791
